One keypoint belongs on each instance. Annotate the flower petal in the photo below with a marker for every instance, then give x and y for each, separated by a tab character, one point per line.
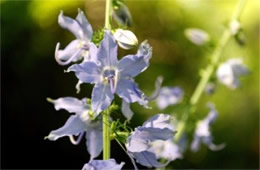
71	104
148	159
73	126
107	52
141	138
126	110
109	164
88	72
130	92
101	97
71	53
86	27
94	140
169	96
159	121
131	65
72	25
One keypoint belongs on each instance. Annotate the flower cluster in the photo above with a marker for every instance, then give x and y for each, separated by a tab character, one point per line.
154	144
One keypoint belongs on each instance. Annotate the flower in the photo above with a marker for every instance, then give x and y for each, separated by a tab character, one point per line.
140	144
125	108
202	133
235	27
78	124
228	72
111	76
109	164
169	96
79	47
196	36
126	39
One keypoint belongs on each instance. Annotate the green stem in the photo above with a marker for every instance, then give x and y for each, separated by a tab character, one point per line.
106	113
210	68
108	14
106	135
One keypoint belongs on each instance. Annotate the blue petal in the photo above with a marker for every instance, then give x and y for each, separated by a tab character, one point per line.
107	52
145	50
88	72
109	164
130	92
71	104
72	25
141	138
126	110
73	126
159	121
131	65
169	96
94	139
122	15
148	159
70	54
86	27
101	97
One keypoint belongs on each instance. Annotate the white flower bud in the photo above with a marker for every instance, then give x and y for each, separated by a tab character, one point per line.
126	39
196	36
234	27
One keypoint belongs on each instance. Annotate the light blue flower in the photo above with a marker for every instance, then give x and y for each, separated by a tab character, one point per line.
78	124
169	96
122	15
202	132
111	76
78	48
140	143
229	72
109	164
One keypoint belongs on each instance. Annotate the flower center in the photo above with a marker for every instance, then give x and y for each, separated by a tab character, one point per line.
110	75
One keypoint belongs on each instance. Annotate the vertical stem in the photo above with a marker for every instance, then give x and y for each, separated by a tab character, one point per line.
106	135
106	113
209	69
108	14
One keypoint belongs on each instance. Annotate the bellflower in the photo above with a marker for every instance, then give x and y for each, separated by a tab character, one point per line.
126	39
109	164
196	36
229	72
78	124
140	143
203	134
111	76
169	96
78	48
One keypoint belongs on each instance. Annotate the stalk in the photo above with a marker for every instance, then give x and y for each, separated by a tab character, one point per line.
106	113
210	68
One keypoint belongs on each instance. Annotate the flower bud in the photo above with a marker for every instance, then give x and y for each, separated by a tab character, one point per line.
126	39
196	36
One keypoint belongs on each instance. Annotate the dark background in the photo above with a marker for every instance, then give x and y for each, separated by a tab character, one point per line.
29	74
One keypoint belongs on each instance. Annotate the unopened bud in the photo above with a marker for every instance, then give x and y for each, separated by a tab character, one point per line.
126	39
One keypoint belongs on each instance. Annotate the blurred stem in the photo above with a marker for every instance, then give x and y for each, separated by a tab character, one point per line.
106	134
108	14
207	73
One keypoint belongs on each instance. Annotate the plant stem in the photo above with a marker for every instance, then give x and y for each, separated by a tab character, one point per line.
106	113
210	68
106	135
108	14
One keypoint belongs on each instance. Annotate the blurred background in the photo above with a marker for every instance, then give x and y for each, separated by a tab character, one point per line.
29	33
